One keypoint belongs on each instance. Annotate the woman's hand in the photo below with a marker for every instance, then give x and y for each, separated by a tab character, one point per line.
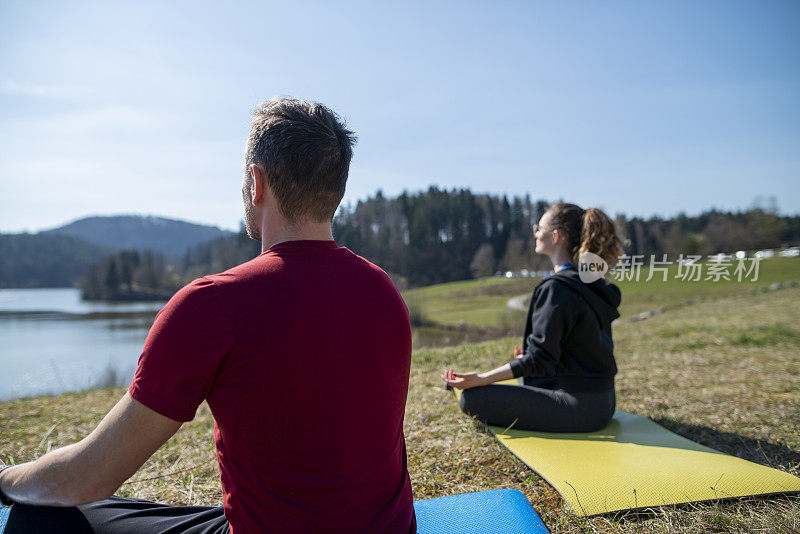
518	352
463	380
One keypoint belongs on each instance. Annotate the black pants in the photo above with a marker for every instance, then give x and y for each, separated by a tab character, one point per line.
117	516
536	408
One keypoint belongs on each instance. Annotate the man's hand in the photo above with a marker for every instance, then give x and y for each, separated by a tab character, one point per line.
95	467
518	352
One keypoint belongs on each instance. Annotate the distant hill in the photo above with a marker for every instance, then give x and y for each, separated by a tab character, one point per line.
168	236
62	256
45	260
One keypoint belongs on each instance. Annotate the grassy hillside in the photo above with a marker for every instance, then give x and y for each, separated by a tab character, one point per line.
479	302
725	373
483	302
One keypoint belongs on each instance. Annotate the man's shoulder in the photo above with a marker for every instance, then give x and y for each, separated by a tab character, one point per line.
365	263
266	265
239	271
204	286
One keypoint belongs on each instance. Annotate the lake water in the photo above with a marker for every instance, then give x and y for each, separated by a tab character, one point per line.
51	341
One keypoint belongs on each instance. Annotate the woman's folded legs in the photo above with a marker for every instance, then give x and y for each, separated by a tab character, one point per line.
545	410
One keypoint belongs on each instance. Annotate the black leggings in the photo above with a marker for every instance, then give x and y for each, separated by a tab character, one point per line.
117	516
535	408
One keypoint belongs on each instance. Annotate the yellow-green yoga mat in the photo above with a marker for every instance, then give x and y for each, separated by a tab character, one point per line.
635	463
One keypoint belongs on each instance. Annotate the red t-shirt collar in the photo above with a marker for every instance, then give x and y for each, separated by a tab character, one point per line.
301	244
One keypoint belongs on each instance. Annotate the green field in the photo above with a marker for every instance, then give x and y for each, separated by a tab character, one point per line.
483	302
479	302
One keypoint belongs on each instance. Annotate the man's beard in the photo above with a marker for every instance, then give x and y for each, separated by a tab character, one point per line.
251	224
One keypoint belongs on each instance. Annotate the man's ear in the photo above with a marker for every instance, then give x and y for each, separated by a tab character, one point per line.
258	179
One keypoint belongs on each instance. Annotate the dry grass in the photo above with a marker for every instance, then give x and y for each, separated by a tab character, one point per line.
737	390
183	471
724	373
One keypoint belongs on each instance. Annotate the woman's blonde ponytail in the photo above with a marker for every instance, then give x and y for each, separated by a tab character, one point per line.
599	236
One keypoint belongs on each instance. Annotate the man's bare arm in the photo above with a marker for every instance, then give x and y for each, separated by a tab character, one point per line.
95	467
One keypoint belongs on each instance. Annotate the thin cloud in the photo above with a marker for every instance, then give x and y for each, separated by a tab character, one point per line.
92	119
15	88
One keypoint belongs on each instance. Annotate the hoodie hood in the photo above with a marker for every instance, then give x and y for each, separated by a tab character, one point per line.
603	297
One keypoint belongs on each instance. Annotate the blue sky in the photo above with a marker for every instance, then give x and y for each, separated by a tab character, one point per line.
639	108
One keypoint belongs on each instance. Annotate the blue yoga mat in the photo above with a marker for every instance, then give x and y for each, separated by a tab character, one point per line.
503	511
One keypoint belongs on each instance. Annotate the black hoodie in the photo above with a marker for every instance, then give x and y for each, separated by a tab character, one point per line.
567	341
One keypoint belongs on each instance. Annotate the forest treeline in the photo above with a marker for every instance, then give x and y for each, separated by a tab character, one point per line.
147	275
440	236
131	275
45	260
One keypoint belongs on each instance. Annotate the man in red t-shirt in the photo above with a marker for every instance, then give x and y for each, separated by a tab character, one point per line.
302	354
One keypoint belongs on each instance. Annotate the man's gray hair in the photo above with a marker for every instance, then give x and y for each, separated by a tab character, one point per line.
305	150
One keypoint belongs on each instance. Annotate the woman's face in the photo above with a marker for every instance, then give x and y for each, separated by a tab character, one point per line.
545	243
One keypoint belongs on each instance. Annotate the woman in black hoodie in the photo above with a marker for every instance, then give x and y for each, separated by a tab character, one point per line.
567	360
